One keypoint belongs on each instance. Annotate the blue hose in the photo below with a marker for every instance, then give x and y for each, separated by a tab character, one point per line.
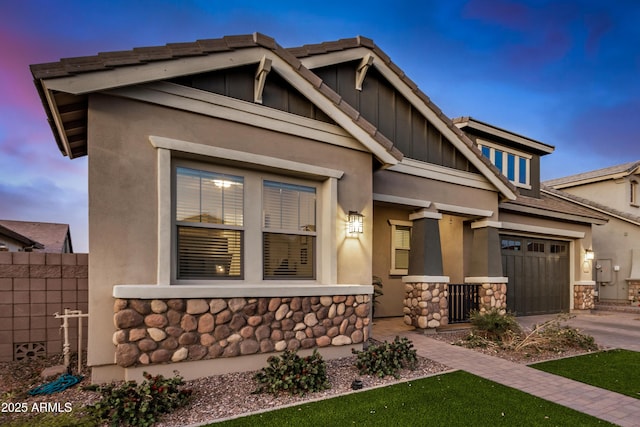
63	382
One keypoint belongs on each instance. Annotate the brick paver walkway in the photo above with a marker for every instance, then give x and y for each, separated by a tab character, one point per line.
603	404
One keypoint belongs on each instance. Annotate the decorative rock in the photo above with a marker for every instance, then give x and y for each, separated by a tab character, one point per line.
170	343
223	317
119	337
232	350
281	345
307	343
221	332
126	354
237	322
250	309
274	303
156	334
156	320
362	310
127	318
160	356
300	335
332	311
263	332
119	304
174	331
180	354
326	301
189	322
249	347
299	327
266	346
340	309
137	334
144	359
205	323
207	339
246	332
282	311
237	304
254	320
234	338
323	341
147	344
215	351
296	303
141	306
277	335
176	304
174	317
188	338
217	305
293	345
357	336
197	306
158	306
333	332
433	324
341	340
310	319
197	352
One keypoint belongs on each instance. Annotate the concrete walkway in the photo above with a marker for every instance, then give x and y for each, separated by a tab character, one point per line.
603	404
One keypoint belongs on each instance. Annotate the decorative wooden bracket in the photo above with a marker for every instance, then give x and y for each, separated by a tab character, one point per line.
261	77
361	71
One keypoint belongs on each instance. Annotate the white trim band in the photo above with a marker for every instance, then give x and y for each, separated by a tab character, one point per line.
425	214
485	279
584	283
443	207
378	197
279	289
425	279
512	226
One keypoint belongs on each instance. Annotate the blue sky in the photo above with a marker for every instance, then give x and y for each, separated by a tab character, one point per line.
561	72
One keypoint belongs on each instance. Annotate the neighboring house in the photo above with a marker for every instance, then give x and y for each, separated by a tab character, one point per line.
615	192
242	195
27	236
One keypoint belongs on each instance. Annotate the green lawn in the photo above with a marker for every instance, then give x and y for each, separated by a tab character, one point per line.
615	370
453	399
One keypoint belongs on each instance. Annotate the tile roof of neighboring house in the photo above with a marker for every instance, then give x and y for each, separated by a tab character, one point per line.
555	207
49	237
593	205
612	172
75	132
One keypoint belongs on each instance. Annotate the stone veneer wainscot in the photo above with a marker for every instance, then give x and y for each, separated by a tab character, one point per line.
172	330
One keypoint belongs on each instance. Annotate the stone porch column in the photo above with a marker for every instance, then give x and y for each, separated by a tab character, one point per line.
584	294
486	266
426	303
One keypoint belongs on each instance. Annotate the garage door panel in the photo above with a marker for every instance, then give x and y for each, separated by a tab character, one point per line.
538	272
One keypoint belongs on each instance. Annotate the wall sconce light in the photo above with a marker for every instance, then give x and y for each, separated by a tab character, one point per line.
589	255
354	223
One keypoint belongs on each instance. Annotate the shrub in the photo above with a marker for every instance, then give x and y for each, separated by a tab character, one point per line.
293	374
494	324
386	358
141	404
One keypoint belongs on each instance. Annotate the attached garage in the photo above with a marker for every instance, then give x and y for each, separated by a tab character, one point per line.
538	272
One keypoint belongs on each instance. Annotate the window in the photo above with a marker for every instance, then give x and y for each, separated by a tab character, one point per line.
400	246
289	230
511	245
634	193
515	166
558	248
209	221
535	247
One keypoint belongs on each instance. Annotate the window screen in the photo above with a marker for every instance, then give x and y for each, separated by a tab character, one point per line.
401	244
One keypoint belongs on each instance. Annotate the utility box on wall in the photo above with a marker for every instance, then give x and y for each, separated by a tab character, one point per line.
603	271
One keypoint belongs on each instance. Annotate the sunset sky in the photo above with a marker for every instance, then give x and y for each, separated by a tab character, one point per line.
566	73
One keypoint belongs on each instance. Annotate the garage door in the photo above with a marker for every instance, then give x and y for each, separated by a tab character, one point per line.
538	272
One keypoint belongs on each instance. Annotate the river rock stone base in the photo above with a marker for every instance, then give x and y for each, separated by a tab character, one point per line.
426	305
173	330
584	297
493	296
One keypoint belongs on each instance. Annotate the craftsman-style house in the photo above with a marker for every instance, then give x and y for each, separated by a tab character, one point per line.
242	195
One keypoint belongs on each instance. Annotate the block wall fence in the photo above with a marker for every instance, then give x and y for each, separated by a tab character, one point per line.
34	286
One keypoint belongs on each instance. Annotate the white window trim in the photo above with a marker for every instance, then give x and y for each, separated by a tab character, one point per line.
397	271
327	208
505	152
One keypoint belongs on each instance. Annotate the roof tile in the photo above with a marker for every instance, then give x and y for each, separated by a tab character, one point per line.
310	76
83	64
244	40
292	60
366	42
185	49
351	112
264	40
153	53
125	57
330	93
213	45
48	70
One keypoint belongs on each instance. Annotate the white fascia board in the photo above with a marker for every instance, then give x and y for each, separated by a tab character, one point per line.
486	279
426	279
442	173
552	214
57	119
507	135
463	210
424	214
397	200
485	223
244	157
223	107
152	71
547	231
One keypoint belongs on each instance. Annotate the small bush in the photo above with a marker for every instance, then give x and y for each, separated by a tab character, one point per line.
386	358
141	404
293	374
494	324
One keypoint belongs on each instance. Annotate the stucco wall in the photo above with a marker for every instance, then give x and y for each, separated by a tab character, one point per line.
123	195
613	194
